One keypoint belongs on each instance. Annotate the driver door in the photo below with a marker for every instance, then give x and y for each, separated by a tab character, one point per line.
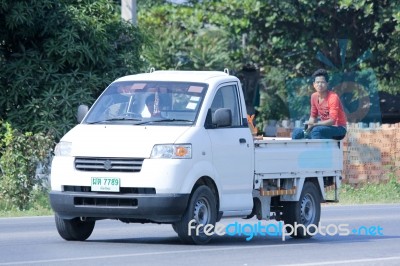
233	155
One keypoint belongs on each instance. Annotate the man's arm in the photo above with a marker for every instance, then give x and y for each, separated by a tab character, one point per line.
312	122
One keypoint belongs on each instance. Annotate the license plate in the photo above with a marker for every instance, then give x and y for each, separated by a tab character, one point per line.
105	184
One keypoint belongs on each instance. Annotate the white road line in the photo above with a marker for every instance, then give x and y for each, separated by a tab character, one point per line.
205	250
377	206
364	218
147	254
344	261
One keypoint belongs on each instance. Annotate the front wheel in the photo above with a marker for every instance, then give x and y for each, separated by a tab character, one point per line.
304	215
74	229
198	222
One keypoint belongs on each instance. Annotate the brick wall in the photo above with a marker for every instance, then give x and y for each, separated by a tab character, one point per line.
370	154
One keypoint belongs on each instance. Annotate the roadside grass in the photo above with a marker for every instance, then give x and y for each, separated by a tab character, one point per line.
31	212
369	193
39	206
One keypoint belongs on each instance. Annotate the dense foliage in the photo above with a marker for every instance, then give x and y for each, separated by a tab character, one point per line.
55	55
282	39
20	156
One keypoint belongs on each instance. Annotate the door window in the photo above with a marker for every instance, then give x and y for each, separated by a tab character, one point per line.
227	97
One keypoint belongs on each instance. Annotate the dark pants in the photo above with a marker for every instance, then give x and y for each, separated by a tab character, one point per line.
321	132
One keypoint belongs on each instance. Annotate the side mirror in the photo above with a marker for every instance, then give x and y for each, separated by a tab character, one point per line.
82	111
222	117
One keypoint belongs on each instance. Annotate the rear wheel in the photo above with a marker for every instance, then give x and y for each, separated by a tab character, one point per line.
304	215
200	212
74	229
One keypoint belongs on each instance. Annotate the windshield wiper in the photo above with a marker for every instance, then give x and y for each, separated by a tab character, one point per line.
172	120
116	119
165	120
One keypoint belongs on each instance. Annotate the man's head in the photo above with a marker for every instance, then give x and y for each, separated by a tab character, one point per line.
320	73
321	79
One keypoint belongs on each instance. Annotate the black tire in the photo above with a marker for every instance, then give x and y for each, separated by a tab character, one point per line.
202	208
75	229
306	211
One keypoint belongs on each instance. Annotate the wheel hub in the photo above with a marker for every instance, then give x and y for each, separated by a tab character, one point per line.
201	212
307	210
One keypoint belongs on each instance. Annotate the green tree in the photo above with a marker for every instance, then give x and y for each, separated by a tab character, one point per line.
295	37
181	40
289	34
55	55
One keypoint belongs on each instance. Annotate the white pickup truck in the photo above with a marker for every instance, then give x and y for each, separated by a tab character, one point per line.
174	147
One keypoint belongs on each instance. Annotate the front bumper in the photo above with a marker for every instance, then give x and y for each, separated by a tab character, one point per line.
161	208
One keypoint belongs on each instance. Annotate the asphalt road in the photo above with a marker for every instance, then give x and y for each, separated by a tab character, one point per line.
373	239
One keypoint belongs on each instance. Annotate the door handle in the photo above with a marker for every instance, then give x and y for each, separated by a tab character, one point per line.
242	140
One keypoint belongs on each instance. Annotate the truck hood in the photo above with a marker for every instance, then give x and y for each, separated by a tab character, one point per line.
120	140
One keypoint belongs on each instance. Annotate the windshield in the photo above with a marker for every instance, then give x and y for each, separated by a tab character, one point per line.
144	102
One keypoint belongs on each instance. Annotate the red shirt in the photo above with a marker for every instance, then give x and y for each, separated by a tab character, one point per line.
329	108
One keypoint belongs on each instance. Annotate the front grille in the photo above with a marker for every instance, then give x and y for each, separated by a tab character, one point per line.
105	202
109	164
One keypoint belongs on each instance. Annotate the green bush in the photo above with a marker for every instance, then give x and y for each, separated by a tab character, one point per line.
21	154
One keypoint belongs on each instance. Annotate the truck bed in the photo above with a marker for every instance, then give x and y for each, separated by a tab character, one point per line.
284	155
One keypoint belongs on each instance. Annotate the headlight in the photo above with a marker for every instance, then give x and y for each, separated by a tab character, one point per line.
63	148
172	151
